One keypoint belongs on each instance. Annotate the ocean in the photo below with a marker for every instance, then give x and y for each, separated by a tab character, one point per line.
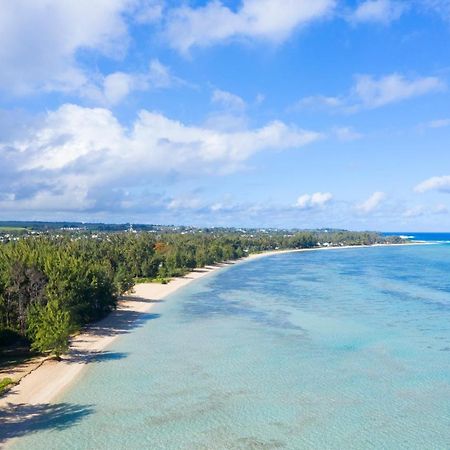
329	349
421	236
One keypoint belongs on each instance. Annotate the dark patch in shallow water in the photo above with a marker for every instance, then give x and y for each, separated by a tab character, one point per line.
211	304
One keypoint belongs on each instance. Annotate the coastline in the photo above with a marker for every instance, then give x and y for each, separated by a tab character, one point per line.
50	378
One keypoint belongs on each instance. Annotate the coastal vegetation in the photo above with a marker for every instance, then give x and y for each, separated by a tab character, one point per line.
52	285
5	384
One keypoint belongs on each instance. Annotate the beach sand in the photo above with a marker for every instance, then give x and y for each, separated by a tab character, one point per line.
47	379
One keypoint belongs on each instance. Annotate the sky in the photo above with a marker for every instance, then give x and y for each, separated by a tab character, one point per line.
246	113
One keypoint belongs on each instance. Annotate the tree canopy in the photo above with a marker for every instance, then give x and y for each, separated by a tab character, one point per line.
52	285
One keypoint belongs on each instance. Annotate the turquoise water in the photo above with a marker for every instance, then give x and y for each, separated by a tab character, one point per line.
341	349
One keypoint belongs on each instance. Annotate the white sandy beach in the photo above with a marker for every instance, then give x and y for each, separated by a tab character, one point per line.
48	378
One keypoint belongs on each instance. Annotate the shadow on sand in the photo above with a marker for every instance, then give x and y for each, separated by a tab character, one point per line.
20	420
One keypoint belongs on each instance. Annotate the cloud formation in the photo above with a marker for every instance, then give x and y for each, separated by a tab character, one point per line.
373	93
228	100
441	184
372	203
421	210
78	156
214	22
116	86
316	200
380	11
346	134
40	41
441	7
370	92
319	102
438	123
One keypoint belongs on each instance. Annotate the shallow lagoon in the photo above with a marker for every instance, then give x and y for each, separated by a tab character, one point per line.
325	349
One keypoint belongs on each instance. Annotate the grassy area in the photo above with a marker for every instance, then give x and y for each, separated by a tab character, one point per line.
5	385
8	229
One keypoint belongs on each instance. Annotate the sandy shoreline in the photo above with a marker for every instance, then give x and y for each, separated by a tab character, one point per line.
50	378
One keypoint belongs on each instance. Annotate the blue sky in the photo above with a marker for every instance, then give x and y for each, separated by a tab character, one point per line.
279	113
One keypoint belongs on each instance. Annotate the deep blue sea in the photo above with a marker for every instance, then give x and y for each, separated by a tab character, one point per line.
331	349
420	236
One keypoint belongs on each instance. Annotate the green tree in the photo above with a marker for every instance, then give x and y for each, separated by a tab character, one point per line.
123	280
50	329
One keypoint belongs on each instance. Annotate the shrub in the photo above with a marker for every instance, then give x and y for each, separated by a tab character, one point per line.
5	384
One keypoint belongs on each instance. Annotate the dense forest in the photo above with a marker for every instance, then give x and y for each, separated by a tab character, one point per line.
52	285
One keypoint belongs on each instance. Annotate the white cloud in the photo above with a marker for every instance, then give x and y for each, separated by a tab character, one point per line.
188	202
116	86
382	11
372	203
420	210
369	92
319	102
40	40
148	11
316	200
259	99
373	93
346	134
227	120
228	100
434	184
255	19
440	209
439	123
441	7
85	153
160	76
416	211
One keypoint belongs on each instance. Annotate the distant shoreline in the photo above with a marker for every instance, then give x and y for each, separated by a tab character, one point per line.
49	379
